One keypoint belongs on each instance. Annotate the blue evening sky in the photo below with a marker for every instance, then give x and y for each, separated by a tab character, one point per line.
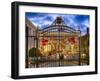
43	20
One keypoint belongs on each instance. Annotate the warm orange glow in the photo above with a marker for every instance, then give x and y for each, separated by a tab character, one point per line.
64	46
44	42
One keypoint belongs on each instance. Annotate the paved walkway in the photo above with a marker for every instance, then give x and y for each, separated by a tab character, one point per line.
56	64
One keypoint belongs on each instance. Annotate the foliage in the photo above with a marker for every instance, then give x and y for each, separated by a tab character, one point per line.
34	52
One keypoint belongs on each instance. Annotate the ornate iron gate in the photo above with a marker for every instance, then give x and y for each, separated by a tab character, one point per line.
55	45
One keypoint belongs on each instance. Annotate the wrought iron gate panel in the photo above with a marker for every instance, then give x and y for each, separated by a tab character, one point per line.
53	46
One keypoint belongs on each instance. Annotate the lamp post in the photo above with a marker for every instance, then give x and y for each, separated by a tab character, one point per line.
79	45
36	47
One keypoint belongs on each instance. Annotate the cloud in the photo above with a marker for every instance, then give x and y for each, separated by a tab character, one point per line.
86	23
43	20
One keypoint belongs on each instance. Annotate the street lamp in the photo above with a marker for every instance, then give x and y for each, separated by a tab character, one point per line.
79	45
